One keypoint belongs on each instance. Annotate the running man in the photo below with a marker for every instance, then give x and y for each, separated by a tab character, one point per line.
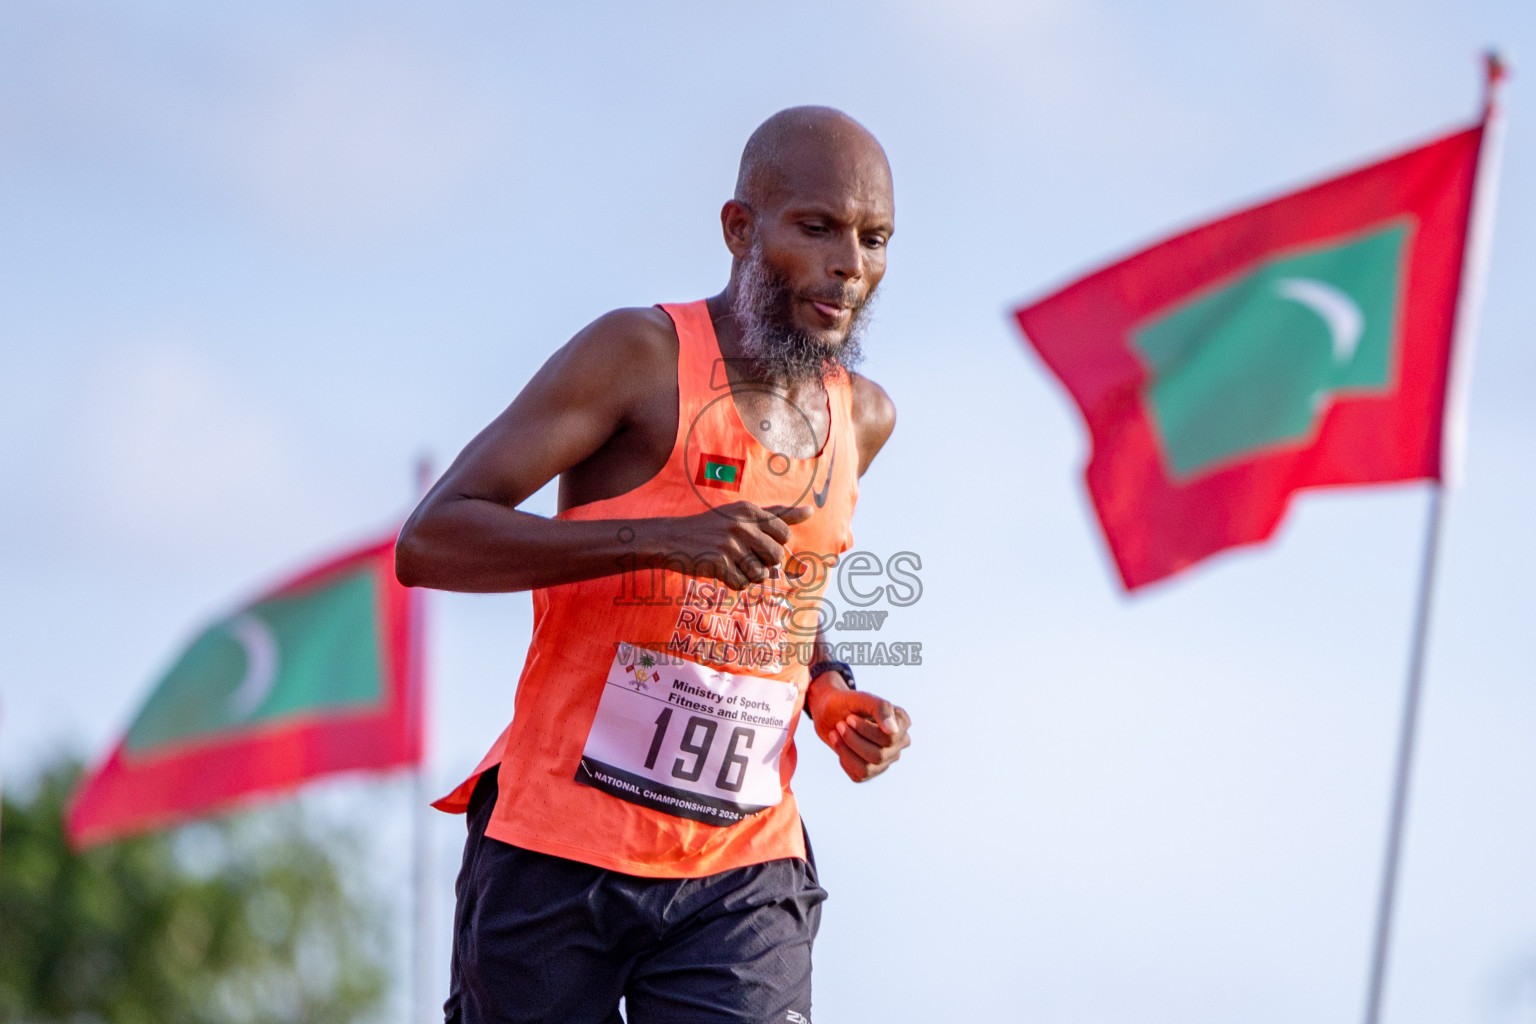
632	833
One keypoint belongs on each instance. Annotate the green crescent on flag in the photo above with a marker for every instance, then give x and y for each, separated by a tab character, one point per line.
1257	359
278	658
319	675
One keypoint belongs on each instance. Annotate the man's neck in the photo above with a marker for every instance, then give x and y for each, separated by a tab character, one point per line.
727	331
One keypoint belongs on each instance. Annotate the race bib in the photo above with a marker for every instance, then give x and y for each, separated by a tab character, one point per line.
688	740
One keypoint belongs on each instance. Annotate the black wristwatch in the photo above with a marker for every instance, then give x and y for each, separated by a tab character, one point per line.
842	668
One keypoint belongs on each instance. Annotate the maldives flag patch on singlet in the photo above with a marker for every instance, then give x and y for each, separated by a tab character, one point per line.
720	471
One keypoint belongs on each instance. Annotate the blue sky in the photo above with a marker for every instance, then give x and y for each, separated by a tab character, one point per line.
256	261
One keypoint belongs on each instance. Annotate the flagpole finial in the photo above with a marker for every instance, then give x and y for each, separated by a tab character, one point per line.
1495	72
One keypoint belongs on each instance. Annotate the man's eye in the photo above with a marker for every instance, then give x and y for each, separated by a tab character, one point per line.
813	228
874	242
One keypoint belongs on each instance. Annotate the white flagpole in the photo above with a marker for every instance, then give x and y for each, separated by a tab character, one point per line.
1468	309
421	996
1407	732
1474	276
421	1007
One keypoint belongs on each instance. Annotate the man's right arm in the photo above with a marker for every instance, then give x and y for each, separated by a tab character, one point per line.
468	534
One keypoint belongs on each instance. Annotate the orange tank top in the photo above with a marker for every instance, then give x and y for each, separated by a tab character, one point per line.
654	723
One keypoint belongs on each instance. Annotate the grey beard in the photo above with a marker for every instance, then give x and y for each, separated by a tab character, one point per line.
781	351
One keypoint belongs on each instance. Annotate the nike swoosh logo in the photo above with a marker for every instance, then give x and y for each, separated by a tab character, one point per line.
820	497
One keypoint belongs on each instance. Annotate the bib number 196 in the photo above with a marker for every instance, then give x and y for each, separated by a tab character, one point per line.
688	740
733	769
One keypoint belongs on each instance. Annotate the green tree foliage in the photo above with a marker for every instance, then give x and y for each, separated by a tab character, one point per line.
250	919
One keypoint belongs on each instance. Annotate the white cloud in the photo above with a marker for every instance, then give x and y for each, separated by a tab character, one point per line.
172	454
336	138
1072	67
362	138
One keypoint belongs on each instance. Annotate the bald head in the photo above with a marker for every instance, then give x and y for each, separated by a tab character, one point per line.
806	143
807	231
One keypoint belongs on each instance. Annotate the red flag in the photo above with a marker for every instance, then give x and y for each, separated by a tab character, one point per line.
1304	342
320	675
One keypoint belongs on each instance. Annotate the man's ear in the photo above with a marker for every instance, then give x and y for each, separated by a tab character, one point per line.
737	223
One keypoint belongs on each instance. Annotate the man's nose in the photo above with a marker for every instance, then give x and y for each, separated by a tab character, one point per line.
847	259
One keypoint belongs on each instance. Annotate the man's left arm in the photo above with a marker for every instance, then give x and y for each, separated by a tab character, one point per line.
867	732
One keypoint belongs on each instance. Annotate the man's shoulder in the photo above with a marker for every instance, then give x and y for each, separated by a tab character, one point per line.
874	417
634	333
872	407
625	346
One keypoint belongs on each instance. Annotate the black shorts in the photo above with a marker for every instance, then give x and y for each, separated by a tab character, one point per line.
541	938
